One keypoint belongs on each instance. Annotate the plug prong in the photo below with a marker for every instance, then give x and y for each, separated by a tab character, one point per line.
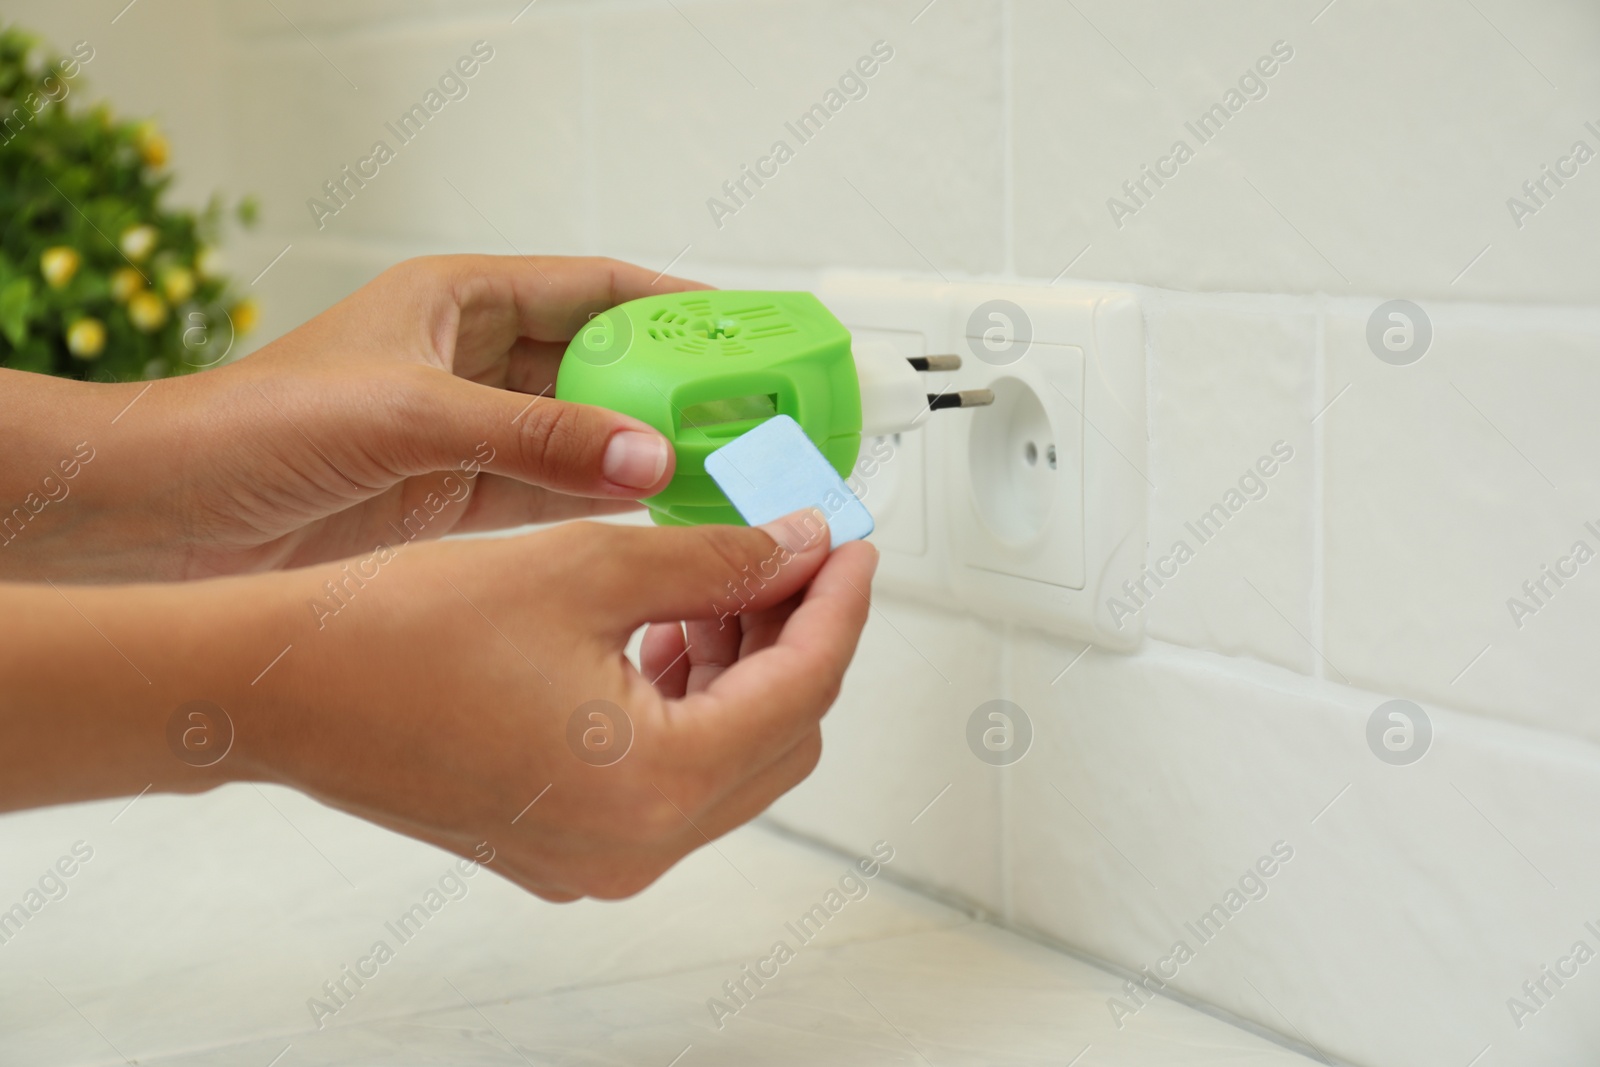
961	398
935	362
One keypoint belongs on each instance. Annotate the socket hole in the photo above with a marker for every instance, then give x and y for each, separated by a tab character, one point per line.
1014	500
896	440
1050	456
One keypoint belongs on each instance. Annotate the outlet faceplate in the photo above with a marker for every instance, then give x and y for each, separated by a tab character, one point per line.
1029	506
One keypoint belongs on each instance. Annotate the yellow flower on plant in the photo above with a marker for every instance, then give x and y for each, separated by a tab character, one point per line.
58	265
178	283
153	147
125	281
138	242
147	311
246	315
209	263
86	338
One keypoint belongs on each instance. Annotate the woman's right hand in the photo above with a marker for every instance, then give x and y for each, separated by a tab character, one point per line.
465	692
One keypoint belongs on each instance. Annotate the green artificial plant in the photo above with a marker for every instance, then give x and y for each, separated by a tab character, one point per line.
98	279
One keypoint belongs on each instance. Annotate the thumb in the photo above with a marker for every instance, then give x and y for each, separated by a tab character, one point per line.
632	575
571	448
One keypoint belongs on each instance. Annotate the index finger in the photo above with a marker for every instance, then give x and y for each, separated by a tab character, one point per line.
544	298
764	704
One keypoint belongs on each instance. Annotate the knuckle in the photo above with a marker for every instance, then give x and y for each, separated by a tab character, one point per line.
729	547
548	437
608	265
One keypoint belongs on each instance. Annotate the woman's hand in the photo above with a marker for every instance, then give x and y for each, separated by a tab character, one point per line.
465	693
368	423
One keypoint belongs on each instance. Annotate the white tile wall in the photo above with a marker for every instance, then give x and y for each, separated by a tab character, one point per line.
498	166
1418	898
1380	158
1450	483
1234	391
1427	894
895	767
1379	564
910	175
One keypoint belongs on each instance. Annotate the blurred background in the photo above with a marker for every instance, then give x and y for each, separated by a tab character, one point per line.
1336	156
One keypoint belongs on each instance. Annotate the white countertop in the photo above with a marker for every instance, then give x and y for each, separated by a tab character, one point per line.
201	927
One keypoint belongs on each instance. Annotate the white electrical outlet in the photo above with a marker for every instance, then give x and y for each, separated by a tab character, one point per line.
1024	464
1030	505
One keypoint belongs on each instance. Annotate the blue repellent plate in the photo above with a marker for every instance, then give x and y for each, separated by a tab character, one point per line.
774	470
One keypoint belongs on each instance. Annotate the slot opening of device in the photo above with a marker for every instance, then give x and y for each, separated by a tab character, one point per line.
731	416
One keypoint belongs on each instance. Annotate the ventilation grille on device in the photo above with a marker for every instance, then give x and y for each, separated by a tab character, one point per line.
699	329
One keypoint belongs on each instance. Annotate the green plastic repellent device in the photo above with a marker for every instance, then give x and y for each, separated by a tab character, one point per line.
704	367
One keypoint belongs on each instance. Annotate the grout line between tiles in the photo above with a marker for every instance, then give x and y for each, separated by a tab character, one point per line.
1510	316
1222	1015
1549	741
369	29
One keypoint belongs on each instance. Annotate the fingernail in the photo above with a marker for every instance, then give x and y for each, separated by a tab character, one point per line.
635	459
798	531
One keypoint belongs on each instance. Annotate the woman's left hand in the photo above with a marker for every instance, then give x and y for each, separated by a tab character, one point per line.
419	406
